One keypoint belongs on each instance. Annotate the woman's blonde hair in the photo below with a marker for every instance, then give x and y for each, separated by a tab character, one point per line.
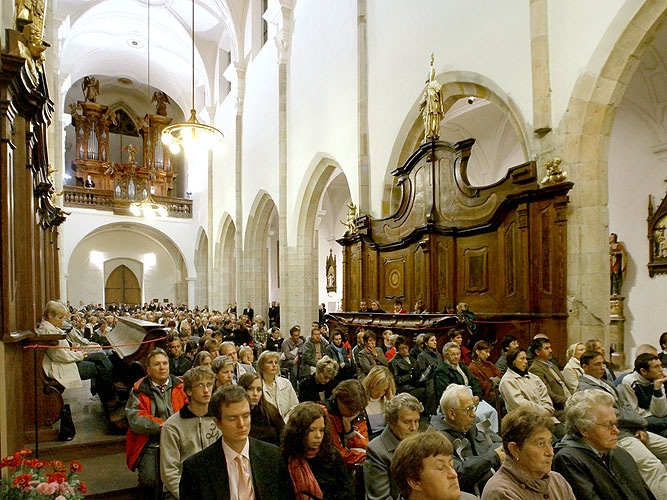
380	375
572	348
263	358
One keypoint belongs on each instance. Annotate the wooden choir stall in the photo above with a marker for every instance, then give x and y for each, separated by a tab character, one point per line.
498	248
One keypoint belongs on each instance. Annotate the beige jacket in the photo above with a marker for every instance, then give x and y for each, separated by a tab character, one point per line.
60	364
528	390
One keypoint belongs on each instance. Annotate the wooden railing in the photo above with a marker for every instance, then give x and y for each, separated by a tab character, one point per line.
103	199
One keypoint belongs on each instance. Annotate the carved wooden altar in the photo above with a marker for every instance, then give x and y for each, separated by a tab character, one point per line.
500	248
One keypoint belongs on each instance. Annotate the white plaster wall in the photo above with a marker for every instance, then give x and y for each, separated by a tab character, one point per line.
577	41
322	95
224	167
475	37
634	173
85	277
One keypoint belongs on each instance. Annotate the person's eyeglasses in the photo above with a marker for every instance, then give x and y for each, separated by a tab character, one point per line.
608	426
201	385
468	409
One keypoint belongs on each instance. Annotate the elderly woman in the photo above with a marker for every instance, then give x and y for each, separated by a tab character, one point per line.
320	385
487	374
573	371
246	356
519	387
316	468
223	368
526	471
267	424
277	390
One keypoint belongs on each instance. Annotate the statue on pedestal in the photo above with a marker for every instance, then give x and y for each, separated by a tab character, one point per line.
431	106
161	100
91	88
617	264
351	219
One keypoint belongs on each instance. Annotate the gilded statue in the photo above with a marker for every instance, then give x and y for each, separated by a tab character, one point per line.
91	88
30	21
351	219
554	174
431	106
161	100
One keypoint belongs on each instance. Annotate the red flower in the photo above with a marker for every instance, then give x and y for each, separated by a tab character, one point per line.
24	452
56	477
58	466
22	480
75	466
12	461
38	464
82	487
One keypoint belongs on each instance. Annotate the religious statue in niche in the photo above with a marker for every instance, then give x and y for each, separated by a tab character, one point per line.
432	106
161	100
91	88
131	153
331	272
657	236
351	219
617	264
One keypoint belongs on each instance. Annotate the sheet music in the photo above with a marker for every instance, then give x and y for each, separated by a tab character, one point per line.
129	331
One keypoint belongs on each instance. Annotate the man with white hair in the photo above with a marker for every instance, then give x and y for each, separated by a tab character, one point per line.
402	416
478	451
589	457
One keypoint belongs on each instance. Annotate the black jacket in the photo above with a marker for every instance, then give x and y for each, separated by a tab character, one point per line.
592	479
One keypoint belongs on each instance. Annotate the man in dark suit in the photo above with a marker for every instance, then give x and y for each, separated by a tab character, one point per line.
249	311
235	467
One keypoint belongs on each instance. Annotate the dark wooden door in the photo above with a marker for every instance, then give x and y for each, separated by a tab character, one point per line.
122	287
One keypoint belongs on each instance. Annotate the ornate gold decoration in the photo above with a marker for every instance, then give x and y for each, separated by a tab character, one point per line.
29	21
351	220
554	174
131	153
431	106
91	88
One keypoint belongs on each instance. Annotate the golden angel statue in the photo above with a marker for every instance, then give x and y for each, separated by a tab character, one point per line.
91	88
431	106
554	174
351	219
131	153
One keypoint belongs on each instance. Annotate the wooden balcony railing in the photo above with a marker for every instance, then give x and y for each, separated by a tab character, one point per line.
103	199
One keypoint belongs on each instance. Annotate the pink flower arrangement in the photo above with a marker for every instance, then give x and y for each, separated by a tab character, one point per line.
33	479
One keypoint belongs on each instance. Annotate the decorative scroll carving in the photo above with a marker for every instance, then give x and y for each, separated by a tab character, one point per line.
657	237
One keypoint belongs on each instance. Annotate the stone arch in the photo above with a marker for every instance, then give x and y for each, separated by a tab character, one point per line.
224	269
256	252
201	266
455	85
302	273
583	143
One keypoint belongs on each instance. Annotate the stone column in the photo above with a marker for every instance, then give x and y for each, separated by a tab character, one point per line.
281	19
240	94
191	291
617	331
211	285
362	109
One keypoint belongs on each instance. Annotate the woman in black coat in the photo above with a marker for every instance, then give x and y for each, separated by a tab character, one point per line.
266	424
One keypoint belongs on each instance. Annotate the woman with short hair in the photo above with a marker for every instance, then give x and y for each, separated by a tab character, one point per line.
266	422
487	374
369	356
277	390
526	471
320	385
223	368
316	468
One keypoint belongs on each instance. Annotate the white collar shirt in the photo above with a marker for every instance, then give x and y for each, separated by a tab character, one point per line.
233	471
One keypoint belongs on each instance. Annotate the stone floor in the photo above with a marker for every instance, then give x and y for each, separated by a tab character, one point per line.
99	448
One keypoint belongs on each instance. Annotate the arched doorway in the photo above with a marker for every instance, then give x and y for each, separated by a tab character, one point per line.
122	287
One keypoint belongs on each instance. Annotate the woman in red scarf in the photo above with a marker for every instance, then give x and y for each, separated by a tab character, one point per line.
315	466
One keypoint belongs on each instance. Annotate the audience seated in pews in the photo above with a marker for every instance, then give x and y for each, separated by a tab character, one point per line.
315	466
380	388
153	399
419	346
178	363
277	390
187	431
291	352
402	415
518	387
423	469
349	428
649	450
404	369
236	466
596	345
589	457
320	385
429	356
526	471
275	341
267	424
359	346
549	374
456	335
203	358
337	351
311	352
223	369
478	451
508	342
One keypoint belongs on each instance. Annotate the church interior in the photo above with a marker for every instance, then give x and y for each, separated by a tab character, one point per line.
323	181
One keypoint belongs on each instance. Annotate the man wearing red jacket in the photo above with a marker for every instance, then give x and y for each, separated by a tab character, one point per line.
153	399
